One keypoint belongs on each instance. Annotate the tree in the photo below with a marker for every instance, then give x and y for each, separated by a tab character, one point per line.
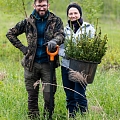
16	7
91	9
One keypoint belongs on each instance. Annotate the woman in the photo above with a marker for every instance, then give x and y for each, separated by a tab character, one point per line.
75	102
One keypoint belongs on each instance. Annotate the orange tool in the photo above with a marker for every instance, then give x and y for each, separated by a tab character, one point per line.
52	55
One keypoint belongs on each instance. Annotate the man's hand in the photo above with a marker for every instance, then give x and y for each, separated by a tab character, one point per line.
52	46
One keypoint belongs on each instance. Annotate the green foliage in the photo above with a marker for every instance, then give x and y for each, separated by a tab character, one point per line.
112	56
15	7
111	8
85	48
91	9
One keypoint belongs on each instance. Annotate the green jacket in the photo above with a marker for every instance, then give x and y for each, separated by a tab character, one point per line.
54	29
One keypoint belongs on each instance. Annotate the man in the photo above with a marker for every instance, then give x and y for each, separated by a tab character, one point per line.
40	28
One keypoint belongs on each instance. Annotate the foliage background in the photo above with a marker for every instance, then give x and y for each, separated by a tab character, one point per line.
103	93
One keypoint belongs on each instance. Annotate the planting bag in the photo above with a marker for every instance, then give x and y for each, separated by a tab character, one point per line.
86	70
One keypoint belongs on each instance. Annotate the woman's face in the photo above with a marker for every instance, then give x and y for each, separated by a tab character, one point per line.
73	14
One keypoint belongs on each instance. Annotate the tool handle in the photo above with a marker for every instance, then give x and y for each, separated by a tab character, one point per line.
53	54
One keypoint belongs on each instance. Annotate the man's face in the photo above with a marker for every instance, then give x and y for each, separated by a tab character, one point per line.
73	14
41	8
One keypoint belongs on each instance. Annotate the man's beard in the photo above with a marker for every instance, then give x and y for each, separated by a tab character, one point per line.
43	15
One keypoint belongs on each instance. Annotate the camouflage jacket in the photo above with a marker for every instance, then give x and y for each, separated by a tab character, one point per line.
54	29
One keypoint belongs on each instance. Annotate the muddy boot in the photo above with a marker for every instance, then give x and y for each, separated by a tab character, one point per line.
84	110
34	115
72	115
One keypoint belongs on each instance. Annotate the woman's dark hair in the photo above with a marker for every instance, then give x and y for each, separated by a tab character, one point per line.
75	5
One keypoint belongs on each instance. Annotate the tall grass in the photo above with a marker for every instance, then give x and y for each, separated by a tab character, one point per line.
103	95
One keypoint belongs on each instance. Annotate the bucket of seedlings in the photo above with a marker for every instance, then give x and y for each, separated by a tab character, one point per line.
85	54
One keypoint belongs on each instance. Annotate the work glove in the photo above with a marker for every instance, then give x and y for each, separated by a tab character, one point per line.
52	45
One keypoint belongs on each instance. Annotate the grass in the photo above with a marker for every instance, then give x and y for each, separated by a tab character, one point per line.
103	95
